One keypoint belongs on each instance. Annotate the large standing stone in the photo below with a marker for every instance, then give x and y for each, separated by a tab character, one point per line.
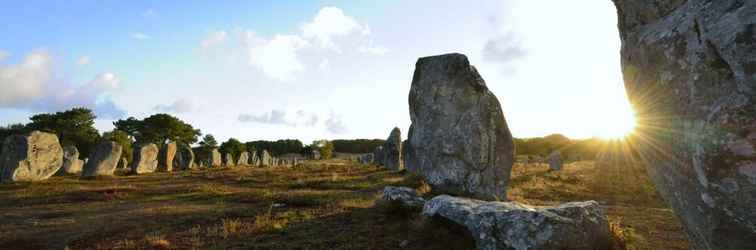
266	159
104	160
378	155
243	159
392	151
511	225
215	158
459	139
690	73
71	162
229	160
555	161
145	158
184	159
165	157
32	157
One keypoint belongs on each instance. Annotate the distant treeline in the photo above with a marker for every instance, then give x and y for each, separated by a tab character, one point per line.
356	146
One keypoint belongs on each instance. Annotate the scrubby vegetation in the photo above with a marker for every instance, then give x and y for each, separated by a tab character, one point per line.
318	205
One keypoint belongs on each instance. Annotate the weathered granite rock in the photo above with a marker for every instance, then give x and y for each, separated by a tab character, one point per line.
184	159
555	161
379	155
690	73
511	225
366	159
403	196
165	157
145	158
215	158
266	159
104	160
32	157
228	160
459	140
392	151
71	163
243	159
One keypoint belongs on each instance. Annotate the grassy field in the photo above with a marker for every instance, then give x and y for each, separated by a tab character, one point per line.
318	205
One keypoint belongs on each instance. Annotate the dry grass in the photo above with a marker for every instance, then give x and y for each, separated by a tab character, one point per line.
317	205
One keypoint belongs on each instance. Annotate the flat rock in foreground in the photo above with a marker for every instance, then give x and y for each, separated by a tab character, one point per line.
459	140
511	225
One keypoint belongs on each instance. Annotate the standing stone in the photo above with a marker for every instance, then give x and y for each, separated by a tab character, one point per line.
123	164
555	161
165	158
459	140
378	155
366	159
392	151
71	162
690	72
266	159
243	159
184	159
32	157
215	158
228	161
145	158
104	159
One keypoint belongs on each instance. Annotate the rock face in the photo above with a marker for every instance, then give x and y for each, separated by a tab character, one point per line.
32	157
184	159
391	156
690	73
403	196
555	161
165	157
71	162
104	160
145	158
243	159
215	158
510	225
266	159
459	140
229	160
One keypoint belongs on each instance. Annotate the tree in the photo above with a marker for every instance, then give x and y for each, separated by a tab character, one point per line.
278	147
233	146
12	129
123	139
209	141
357	146
159	129
325	148
73	127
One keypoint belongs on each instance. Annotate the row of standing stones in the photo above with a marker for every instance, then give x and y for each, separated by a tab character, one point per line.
39	155
689	68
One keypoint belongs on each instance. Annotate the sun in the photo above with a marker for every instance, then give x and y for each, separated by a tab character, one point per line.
618	124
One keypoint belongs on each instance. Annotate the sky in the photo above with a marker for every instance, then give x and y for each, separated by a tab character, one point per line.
266	70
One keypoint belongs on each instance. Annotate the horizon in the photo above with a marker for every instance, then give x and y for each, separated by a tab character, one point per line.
326	69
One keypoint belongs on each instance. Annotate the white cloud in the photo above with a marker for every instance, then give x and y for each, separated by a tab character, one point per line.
216	38
324	64
277	57
140	36
281	117
3	54
178	106
149	13
84	60
331	22
335	124
503	49
373	50
30	85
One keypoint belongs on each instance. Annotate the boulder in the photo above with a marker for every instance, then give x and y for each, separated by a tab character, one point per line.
366	159
184	159
104	160
459	140
555	161
378	155
266	159
145	158
690	72
165	157
511	225
243	159
392	151
215	158
72	165
228	161
32	157
403	197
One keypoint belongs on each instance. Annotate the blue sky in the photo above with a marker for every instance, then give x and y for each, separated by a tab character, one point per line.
308	69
